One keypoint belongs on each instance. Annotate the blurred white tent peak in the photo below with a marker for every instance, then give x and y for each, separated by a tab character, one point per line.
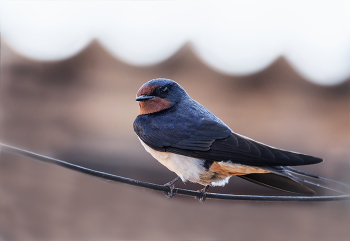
234	37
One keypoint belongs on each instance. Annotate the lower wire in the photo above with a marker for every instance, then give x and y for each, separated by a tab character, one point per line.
116	178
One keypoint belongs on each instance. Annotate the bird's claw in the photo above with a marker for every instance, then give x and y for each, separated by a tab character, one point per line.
171	193
203	196
172	190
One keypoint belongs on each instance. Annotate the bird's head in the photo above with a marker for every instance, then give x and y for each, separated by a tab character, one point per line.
159	94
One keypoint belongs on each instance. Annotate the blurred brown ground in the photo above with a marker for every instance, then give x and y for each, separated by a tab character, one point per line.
81	110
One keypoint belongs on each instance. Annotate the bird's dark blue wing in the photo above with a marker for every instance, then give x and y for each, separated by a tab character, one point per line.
239	149
203	137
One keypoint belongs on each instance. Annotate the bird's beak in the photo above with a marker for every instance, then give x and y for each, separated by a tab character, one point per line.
144	97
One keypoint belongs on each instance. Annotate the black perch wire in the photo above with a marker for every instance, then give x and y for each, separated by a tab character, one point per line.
197	194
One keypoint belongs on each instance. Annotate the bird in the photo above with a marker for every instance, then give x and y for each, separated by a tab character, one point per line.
191	141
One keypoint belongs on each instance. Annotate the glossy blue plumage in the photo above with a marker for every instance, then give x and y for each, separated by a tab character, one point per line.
188	128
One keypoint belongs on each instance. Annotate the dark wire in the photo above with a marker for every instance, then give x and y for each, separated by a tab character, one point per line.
110	177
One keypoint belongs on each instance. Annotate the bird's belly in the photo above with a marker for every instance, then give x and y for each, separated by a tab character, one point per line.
187	168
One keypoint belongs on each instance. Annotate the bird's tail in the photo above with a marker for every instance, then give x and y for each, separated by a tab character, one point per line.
287	179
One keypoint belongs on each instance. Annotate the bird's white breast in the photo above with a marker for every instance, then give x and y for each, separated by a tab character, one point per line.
187	168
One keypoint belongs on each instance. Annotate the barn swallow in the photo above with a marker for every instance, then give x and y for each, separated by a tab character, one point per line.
199	147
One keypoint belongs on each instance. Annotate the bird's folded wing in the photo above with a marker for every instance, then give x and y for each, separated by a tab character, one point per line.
212	140
206	144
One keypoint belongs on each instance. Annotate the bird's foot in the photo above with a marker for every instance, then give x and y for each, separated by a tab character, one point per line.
203	195
171	193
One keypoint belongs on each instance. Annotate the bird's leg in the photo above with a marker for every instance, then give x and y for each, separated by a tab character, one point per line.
171	186
203	194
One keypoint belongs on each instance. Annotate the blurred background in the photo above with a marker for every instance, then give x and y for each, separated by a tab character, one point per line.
275	71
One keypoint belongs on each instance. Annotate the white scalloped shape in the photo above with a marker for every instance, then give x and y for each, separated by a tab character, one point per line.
234	37
238	37
45	30
142	33
318	45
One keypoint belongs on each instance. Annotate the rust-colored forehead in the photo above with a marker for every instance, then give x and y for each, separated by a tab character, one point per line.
146	90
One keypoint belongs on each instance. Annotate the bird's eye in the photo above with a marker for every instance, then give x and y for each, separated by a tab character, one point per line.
162	91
